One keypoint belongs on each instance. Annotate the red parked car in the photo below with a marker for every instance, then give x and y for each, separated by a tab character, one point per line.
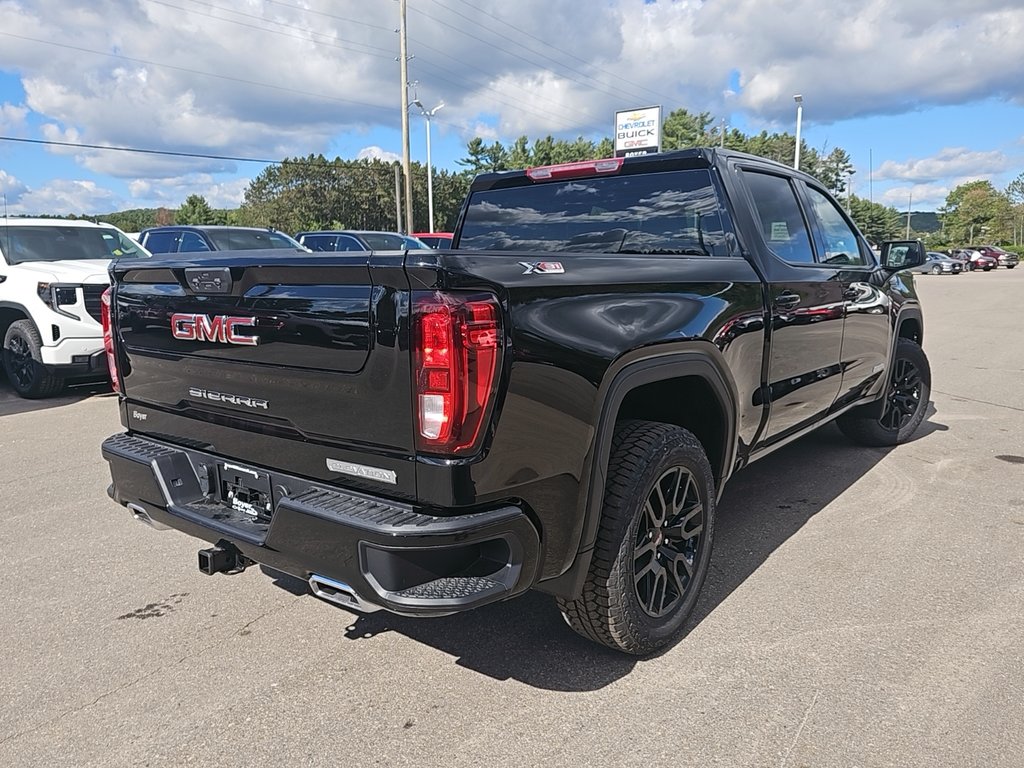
974	259
1003	258
435	239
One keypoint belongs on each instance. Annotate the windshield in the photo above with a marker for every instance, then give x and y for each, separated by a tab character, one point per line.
249	239
672	212
61	243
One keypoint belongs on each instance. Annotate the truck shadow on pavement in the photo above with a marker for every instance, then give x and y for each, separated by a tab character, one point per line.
11	403
764	505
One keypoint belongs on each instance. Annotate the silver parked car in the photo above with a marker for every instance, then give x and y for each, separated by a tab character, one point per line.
939	264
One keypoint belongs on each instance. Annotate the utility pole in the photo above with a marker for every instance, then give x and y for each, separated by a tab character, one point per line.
910	202
404	67
398	199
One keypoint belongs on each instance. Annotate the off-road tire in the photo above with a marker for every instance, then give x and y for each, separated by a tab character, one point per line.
23	362
906	400
610	610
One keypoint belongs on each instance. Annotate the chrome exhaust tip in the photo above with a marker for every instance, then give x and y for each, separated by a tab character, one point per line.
339	593
142	516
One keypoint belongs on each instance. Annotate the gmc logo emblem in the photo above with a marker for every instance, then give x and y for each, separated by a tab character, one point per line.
217	328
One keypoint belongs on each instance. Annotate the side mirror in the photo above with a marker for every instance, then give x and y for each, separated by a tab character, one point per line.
902	254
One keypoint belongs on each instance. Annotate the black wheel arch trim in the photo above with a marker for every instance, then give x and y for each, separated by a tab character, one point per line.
636	369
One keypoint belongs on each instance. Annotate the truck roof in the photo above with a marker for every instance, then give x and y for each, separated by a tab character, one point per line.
697	157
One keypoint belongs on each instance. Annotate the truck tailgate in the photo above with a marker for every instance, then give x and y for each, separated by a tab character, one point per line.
297	355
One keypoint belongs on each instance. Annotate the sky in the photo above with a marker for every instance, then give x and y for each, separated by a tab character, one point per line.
923	95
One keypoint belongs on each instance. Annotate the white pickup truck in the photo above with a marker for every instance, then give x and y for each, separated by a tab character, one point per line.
52	275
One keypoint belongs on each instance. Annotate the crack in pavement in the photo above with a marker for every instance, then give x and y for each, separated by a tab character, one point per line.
980	402
240	632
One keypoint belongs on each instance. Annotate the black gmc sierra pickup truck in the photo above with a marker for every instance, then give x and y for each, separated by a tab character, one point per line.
556	403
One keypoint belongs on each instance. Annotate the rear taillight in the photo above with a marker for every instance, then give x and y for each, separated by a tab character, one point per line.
457	347
108	339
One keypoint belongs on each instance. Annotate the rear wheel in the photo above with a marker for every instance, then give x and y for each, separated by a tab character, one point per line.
906	400
23	362
654	543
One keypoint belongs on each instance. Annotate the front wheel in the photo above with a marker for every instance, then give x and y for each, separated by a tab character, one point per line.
907	397
654	544
1010	266
936	270
23	362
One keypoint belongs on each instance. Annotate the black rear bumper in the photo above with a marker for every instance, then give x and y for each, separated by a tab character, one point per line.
387	553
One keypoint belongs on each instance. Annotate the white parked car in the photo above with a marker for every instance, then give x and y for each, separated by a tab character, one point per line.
52	275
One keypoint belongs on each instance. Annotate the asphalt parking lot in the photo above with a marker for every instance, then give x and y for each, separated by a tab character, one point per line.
865	608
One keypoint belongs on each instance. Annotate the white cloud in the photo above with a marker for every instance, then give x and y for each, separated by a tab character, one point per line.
950	162
64	196
376	153
170	192
12	119
919	197
11	188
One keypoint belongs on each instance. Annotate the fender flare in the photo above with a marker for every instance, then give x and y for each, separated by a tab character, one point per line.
634	370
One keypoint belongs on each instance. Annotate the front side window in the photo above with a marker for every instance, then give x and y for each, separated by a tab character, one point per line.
780	218
62	243
346	243
670	212
192	243
841	246
319	242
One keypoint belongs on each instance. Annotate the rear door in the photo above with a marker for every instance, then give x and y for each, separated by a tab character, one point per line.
283	358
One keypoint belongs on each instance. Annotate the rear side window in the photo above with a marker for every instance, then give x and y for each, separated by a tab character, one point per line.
780	218
244	240
674	212
161	242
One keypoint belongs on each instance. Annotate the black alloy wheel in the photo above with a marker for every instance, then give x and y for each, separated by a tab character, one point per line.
20	364
897	416
23	362
668	540
653	548
904	399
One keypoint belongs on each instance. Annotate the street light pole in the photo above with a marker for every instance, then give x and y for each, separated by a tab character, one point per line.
427	114
799	119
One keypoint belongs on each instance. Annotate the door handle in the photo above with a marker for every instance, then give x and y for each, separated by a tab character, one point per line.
786	300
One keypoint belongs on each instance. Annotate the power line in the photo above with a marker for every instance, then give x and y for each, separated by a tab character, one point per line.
164	152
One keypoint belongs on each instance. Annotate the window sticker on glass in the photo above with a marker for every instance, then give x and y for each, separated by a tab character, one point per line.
780	231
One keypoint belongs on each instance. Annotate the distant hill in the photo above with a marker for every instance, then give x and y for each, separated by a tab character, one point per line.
924	221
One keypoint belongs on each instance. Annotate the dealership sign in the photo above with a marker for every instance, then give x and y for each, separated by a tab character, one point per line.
637	131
